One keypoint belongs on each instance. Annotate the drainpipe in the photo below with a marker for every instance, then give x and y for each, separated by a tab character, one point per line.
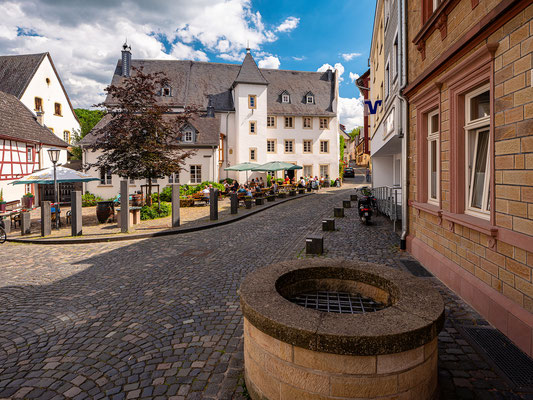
404	125
227	142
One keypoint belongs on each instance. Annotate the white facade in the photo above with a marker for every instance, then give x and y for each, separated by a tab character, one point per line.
46	85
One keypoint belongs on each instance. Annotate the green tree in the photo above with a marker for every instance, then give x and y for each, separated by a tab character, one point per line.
88	119
141	140
355	132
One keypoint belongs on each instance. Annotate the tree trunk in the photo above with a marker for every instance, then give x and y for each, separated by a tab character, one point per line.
149	193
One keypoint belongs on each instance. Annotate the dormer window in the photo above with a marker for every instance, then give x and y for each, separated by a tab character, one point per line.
285	97
166	91
310	99
188	136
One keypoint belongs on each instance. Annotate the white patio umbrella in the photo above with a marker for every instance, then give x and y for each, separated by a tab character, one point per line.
46	176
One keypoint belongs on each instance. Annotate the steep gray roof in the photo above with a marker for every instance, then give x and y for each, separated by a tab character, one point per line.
249	72
208	131
16	72
192	83
19	123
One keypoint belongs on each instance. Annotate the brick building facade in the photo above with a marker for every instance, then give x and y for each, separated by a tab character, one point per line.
470	164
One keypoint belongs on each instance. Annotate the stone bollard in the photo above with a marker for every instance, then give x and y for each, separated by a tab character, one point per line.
213	204
175	205
292	193
309	188
76	213
301	191
353	197
271	198
346	204
25	223
282	195
328	224
46	218
248	203
234	198
338	212
124	207
259	201
314	244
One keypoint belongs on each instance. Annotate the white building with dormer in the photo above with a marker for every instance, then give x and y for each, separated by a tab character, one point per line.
250	114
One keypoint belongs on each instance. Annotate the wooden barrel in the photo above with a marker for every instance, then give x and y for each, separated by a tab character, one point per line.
104	211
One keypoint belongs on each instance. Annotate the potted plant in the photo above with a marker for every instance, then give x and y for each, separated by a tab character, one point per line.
2	201
27	200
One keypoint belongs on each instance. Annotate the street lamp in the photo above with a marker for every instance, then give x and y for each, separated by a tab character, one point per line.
54	157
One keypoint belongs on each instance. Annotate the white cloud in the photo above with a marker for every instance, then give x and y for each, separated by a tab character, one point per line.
191	29
338	67
351	112
288	25
269	62
349	56
353	77
298	58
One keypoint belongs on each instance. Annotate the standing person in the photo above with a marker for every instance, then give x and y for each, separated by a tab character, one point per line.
367	175
261	183
235	185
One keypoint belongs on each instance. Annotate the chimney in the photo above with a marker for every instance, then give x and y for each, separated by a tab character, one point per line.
40	117
210	108
126	60
330	75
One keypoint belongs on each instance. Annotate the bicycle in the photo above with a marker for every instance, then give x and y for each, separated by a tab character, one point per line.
3	234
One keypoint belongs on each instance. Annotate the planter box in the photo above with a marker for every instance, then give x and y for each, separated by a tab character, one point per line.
259	201
282	195
271	198
301	191
27	202
3	207
292	193
248	203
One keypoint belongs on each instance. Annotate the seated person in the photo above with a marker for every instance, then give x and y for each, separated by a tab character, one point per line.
241	189
249	192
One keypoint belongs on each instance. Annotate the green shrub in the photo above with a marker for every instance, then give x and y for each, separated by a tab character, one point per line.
89	199
332	183
269	180
154	211
229	180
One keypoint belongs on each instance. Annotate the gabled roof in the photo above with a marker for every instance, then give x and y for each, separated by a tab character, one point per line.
249	72
16	72
19	123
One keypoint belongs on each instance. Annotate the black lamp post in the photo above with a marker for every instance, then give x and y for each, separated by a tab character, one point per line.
54	157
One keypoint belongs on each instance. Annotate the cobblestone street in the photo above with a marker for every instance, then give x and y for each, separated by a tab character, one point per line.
159	318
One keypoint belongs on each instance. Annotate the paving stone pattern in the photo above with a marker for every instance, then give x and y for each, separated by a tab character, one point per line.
159	318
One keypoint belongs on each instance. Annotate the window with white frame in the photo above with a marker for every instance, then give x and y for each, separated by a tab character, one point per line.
289	122
29	154
310	99
395	57
271	121
271	145
188	136
477	147
308	170
27	188
174	178
66	136
308	146
324	146
132	181
285	98
196	173
308	122
433	156
289	146
324	170
105	177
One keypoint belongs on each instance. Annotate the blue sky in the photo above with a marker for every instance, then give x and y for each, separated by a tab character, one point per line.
85	37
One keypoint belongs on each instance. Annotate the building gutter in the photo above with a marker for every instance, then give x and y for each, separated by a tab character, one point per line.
404	126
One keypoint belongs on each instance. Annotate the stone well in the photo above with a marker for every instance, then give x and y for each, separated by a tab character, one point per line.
388	351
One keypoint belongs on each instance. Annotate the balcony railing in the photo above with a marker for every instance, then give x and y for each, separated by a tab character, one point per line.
389	202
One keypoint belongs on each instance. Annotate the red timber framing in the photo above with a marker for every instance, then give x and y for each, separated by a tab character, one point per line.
15	159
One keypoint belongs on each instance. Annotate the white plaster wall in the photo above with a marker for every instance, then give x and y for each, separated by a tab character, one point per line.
203	157
382	171
52	93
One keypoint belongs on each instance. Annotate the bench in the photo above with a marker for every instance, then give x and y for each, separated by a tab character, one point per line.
135	215
200	196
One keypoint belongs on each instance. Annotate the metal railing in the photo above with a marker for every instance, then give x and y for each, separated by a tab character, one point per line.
389	202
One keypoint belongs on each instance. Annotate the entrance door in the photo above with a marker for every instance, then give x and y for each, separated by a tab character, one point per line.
290	173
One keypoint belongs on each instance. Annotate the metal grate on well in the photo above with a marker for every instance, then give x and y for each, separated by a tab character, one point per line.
502	353
337	302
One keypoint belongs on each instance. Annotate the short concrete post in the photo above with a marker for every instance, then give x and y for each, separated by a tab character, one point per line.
76	213
213	204
338	212
346	204
301	191
175	205
124	207
7	224
248	203
259	201
46	218
25	223
292	193
353	197
314	244
234	198
328	224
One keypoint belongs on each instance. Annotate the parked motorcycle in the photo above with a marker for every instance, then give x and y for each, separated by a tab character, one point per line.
365	204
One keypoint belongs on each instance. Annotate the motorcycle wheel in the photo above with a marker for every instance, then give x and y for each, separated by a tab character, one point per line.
363	220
